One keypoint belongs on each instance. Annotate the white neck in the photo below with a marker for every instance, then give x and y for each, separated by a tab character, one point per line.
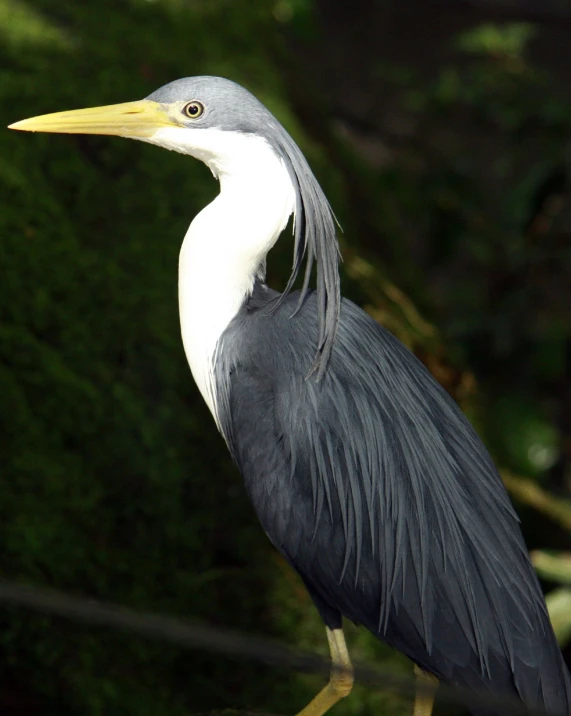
226	245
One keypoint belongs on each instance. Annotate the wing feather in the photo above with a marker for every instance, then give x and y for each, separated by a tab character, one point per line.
376	488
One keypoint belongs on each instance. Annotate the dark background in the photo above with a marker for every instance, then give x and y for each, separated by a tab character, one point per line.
440	132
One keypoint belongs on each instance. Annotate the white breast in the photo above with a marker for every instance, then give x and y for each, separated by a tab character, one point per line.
226	246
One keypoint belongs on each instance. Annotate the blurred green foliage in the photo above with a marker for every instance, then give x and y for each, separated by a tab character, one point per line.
477	235
507	40
487	192
114	481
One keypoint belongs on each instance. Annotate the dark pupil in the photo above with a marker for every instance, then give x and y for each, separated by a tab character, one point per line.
193	109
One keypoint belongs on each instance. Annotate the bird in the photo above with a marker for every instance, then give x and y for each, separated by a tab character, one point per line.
364	473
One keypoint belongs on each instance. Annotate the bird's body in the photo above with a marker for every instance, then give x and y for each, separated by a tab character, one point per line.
374	486
363	471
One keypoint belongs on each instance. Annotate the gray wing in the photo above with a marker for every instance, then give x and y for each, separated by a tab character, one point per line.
375	487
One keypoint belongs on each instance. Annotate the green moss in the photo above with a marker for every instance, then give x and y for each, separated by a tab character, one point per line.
115	483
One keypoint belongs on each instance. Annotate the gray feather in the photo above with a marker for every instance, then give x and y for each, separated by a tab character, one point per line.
375	487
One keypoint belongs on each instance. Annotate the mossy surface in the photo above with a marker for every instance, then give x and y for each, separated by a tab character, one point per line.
113	480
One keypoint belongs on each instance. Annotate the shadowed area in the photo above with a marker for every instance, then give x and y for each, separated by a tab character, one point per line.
453	195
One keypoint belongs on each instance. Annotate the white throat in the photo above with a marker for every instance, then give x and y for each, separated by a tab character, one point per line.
225	247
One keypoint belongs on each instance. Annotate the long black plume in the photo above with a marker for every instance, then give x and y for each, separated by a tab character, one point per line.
316	241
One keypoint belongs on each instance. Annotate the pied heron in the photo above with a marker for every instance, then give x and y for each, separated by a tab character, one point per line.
362	470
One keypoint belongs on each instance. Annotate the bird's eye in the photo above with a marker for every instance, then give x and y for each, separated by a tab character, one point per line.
193	110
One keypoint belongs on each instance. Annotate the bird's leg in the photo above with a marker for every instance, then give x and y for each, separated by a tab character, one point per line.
340	679
426	685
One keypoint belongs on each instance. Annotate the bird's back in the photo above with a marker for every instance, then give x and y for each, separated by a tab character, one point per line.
375	487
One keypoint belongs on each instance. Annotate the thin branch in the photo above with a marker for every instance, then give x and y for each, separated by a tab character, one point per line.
555	567
193	635
530	493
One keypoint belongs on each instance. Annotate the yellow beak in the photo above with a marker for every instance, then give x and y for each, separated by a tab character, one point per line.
131	119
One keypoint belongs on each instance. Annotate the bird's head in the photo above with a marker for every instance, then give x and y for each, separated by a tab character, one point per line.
216	121
202	116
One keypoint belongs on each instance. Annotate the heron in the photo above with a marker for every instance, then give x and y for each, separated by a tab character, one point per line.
363	471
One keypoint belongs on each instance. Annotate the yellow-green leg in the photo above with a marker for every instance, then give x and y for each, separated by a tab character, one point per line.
426	686
340	679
